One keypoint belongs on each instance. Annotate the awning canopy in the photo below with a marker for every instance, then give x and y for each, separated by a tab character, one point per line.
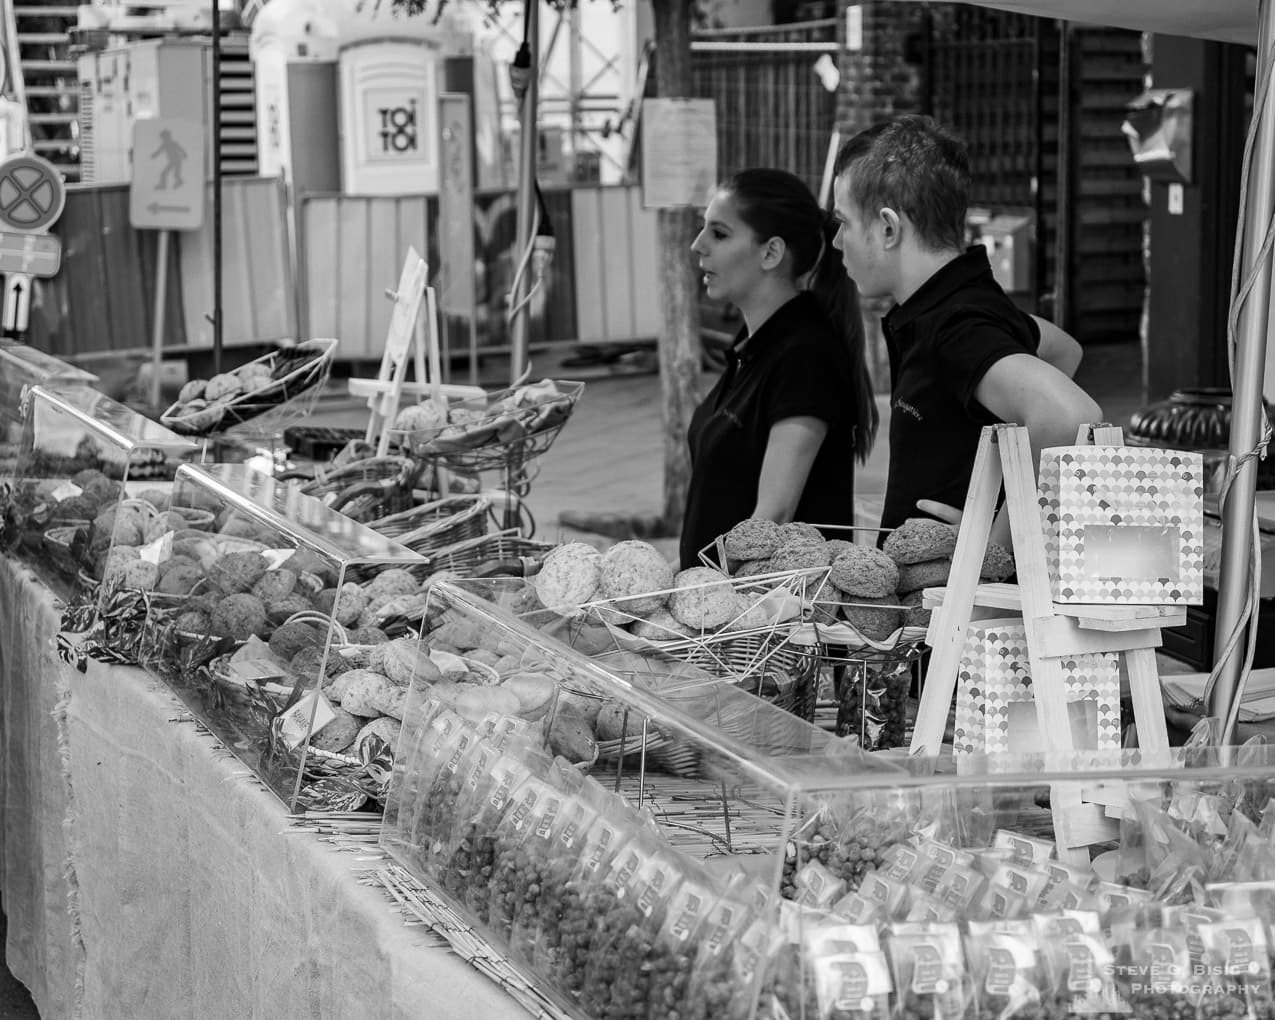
1225	20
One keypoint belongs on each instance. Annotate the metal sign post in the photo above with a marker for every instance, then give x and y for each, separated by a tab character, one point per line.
166	193
457	296
32	195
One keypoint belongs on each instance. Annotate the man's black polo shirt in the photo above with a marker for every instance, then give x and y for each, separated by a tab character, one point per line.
941	341
795	365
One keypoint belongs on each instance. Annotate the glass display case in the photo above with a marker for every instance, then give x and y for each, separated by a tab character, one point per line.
641	843
22	367
258	599
81	461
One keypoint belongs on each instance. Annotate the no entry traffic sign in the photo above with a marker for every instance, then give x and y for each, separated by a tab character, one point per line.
31	193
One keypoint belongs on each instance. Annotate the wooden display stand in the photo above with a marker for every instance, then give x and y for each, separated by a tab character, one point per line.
1054	630
385	392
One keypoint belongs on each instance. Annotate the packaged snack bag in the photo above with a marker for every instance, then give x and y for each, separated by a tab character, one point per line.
583	898
543	860
614	985
960	888
929	971
534	807
1027	882
848	972
474	836
924	908
817	887
672	961
1026	850
1078	963
849	842
1236	968
858	909
712	991
1004	967
406	761
893	896
999	904
1057	873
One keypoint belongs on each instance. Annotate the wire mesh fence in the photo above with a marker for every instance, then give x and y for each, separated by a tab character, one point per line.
773	108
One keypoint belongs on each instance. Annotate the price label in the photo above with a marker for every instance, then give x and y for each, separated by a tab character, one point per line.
65	491
157	551
295	722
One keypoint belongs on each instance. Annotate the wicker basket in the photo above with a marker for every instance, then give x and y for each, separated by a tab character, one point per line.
494	553
437	524
500	436
295	372
59	541
366	490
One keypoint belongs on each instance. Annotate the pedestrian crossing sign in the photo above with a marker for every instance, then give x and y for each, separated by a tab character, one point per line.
167	189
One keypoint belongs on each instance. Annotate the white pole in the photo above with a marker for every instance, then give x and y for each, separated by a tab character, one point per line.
520	327
1247	375
157	341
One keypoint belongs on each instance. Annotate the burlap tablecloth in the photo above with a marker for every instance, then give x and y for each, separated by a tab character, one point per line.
146	874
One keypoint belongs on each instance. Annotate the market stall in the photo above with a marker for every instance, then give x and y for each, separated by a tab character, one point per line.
147	874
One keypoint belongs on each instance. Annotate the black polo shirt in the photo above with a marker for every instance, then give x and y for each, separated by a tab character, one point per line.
795	365
941	342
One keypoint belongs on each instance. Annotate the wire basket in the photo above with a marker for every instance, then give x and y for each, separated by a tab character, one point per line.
500	552
369	489
295	372
437	524
59	543
495	431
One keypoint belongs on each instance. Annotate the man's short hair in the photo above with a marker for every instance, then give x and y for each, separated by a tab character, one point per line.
913	166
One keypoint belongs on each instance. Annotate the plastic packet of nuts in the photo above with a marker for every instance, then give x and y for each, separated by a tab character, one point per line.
472	848
533	806
712	991
628	932
873	705
673	959
1005	967
928	969
1078	962
563	945
544	862
419	727
1236	968
847	970
438	743
432	822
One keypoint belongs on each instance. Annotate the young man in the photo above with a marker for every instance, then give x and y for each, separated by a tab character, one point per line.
962	355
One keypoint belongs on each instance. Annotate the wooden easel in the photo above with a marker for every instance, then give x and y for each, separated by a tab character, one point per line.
1054	630
385	392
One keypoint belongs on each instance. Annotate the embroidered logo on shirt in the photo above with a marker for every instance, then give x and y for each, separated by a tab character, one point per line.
906	408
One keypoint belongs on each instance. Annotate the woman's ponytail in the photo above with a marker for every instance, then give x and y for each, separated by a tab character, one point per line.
839	298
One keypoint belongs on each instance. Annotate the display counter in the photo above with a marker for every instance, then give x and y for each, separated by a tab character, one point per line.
148	874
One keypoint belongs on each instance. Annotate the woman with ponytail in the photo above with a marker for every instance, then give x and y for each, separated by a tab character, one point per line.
778	435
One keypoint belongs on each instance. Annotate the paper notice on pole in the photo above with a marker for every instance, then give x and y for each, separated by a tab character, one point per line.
679	152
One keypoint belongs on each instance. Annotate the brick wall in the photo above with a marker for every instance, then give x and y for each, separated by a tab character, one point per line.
879	81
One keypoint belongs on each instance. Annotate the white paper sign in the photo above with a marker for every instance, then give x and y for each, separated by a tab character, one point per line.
65	491
679	152
293	722
157	551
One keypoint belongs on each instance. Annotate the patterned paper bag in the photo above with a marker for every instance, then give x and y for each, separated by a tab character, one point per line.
1123	524
995	707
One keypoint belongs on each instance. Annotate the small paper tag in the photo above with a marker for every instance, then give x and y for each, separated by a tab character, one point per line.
293	722
275	558
158	551
65	491
256	669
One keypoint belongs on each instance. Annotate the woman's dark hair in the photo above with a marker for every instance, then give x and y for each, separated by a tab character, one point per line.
775	203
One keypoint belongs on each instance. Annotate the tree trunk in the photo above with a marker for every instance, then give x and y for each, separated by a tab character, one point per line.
679	341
